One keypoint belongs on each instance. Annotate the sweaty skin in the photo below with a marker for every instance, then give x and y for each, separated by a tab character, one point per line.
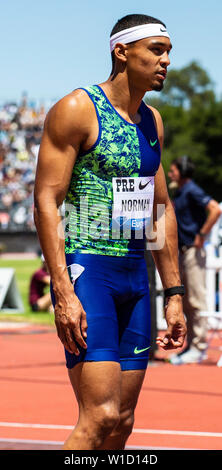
72	125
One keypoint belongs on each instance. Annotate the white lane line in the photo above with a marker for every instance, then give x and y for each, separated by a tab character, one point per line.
178	433
12	325
32	441
137	431
36	426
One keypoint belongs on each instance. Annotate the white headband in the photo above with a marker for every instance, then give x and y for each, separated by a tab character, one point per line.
138	32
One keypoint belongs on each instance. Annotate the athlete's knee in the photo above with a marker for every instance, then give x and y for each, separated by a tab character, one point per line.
107	417
94	427
126	423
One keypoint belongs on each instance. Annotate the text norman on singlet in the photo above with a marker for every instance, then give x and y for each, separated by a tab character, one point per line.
135	205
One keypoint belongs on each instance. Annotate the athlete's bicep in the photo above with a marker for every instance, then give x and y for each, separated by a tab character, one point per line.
57	155
54	169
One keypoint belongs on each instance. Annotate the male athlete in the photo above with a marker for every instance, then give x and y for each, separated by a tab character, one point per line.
100	152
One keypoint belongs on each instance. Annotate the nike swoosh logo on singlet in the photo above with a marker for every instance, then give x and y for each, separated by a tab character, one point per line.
138	351
142	186
153	143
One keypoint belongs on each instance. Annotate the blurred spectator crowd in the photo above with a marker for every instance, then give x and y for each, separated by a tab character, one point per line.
20	133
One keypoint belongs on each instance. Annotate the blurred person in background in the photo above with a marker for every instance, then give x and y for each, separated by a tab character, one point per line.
196	213
40	301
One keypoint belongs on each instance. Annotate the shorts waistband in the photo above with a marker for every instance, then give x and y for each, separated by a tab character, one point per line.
73	257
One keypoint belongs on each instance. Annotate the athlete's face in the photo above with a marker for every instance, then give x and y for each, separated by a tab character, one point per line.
147	62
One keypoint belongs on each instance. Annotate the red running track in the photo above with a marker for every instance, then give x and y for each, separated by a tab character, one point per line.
180	407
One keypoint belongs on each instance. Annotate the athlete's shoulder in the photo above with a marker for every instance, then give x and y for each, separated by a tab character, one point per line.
68	115
68	107
159	123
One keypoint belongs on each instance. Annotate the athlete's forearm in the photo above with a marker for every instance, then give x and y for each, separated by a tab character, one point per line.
47	221
166	258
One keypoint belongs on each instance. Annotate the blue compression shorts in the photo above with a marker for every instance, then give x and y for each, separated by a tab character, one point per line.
114	293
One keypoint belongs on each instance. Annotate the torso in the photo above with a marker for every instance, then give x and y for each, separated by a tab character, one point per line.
115	148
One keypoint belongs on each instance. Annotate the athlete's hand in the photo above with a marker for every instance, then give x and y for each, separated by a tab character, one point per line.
71	324
174	336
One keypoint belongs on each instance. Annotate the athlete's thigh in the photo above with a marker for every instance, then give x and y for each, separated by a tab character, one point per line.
134	333
96	384
131	383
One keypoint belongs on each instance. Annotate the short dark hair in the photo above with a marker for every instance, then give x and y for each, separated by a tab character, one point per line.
185	166
129	21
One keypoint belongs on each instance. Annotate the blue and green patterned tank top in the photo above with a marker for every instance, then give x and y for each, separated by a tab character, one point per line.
121	150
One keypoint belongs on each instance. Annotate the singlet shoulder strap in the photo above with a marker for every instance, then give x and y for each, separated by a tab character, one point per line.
96	97
148	121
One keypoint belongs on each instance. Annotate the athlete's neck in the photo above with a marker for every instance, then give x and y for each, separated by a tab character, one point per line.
125	100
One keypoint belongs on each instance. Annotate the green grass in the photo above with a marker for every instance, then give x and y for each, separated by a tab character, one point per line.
23	272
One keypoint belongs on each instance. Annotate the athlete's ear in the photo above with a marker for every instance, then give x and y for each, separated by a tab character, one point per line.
120	52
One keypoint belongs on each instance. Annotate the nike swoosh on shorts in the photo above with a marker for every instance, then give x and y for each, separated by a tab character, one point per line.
138	351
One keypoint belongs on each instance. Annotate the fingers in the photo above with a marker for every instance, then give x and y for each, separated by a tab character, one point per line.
63	338
66	339
71	331
168	342
175	334
70	344
69	336
84	325
75	327
164	343
178	343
